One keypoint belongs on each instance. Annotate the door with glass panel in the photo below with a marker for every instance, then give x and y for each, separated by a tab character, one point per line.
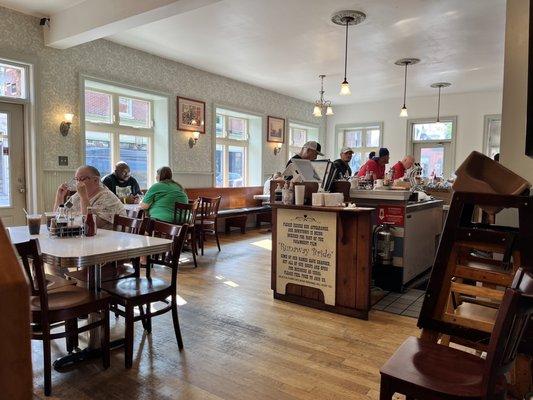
12	178
432	146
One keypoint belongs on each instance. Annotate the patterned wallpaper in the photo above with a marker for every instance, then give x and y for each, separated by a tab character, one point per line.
58	79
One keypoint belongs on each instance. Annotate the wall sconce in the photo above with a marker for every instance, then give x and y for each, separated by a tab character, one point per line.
66	123
277	148
194	139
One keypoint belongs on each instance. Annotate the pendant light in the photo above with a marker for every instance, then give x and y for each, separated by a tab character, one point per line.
405	62
347	18
439	85
322	104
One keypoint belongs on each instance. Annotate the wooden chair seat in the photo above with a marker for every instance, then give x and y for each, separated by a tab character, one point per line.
66	301
54	282
434	371
130	288
473	315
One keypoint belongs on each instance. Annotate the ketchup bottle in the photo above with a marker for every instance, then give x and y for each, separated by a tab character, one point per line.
90	223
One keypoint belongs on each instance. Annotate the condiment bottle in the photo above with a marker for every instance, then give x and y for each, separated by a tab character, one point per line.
90	223
278	195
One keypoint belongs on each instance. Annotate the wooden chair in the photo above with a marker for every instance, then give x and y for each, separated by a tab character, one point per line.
115	270
425	370
139	214
207	223
186	214
139	291
51	309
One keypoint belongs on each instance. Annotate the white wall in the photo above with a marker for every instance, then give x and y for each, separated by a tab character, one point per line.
470	109
513	140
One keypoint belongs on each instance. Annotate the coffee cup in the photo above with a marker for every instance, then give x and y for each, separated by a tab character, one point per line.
299	195
34	223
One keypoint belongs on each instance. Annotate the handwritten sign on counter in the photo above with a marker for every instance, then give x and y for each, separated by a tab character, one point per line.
306	250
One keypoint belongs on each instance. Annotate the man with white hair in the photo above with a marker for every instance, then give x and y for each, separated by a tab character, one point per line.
90	192
398	169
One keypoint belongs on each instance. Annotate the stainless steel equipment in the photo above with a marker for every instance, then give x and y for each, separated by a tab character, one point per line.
383	244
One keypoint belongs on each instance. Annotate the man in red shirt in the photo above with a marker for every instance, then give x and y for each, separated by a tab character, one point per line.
398	169
376	166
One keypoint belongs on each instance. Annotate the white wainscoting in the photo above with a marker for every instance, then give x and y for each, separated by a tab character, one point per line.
51	180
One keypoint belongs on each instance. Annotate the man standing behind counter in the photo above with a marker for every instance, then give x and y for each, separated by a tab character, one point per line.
122	183
398	169
342	165
376	166
310	150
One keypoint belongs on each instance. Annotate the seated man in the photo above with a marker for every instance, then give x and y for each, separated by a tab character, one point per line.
122	183
376	166
398	169
342	165
90	192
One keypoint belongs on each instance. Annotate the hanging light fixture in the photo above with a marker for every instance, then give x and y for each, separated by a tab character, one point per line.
439	85
405	62
347	18
321	104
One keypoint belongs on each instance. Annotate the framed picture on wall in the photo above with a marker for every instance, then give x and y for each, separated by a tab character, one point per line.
191	115
275	129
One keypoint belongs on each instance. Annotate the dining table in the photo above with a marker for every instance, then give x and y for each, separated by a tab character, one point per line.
93	253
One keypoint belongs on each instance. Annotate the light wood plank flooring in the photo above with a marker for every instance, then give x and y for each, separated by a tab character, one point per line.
239	342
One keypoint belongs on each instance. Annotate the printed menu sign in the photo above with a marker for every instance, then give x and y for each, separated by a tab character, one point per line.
306	250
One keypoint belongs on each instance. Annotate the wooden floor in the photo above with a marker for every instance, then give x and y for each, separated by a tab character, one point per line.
239	342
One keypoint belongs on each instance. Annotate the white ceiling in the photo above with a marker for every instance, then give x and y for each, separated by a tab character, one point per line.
39	8
283	45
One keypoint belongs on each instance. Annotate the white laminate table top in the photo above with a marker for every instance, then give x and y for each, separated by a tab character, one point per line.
106	246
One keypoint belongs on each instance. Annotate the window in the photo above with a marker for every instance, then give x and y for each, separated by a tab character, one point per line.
493	126
5	186
119	128
231	153
362	139
12	81
298	135
432	145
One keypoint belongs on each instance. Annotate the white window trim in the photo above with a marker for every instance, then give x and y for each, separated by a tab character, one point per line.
225	141
26	93
341	128
486	123
115	129
452	141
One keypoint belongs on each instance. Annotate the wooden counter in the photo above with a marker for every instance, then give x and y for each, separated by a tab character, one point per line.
321	257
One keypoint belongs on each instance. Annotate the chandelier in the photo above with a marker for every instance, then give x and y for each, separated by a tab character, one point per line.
322	104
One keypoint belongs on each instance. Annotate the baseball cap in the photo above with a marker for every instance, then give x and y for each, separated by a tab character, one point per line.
383	152
346	150
313	146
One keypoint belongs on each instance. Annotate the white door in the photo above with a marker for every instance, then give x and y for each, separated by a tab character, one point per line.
433	158
12	181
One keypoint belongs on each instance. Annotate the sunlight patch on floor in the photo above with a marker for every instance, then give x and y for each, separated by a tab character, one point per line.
231	283
264	244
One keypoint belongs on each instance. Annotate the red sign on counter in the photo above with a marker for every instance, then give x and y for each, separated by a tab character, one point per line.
392	215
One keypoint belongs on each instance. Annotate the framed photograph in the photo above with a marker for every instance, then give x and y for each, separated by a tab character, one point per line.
276	129
191	115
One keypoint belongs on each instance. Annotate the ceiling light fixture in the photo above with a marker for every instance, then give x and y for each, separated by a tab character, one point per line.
322	104
439	85
405	62
347	18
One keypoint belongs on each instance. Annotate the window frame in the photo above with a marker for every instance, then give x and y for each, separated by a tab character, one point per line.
487	119
452	142
225	141
292	150
115	129
340	129
26	92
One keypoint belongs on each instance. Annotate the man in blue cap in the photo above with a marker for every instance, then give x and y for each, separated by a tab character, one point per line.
376	166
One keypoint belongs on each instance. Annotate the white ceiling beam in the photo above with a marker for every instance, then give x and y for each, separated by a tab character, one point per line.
95	19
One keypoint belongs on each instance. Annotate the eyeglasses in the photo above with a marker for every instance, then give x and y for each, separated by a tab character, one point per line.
83	178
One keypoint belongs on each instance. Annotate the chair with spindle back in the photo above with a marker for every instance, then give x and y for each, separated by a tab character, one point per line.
186	214
51	309
119	269
423	369
140	291
207	220
137	213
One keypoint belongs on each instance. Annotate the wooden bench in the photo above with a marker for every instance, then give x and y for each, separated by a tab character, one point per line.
236	204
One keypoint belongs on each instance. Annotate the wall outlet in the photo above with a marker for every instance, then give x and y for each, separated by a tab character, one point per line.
62	161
